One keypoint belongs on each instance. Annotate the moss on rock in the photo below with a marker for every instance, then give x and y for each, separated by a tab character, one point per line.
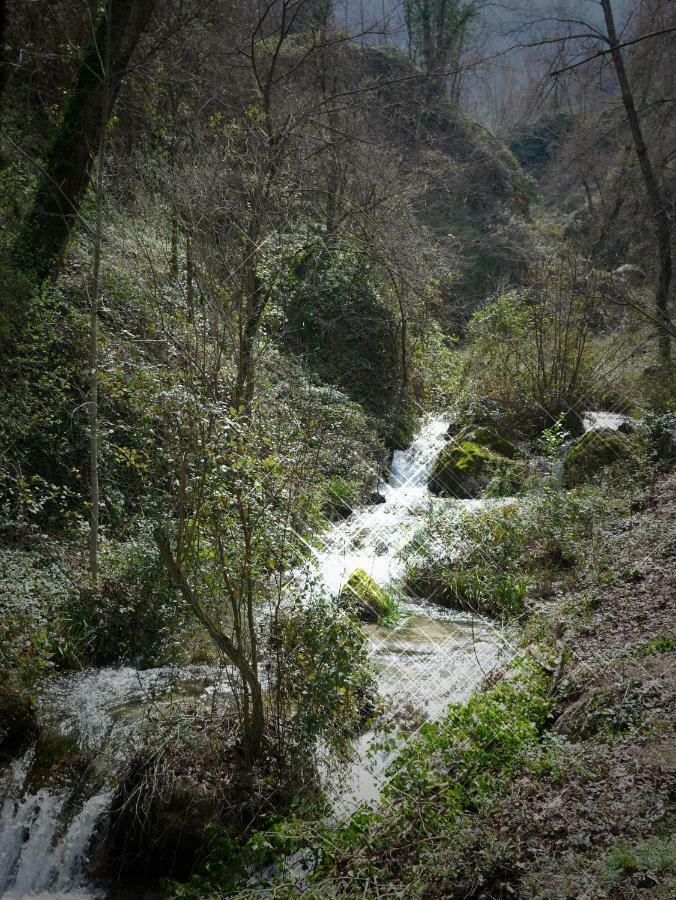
463	469
592	452
488	438
366	598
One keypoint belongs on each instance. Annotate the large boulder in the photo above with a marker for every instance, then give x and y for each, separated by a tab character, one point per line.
463	469
593	451
487	438
366	599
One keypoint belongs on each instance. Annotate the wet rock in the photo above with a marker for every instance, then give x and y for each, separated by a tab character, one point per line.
465	469
488	438
364	597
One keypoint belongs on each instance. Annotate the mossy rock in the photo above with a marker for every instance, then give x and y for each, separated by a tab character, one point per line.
464	469
592	452
488	438
365	598
17	718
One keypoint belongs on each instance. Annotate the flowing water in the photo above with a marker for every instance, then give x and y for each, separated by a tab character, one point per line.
429	658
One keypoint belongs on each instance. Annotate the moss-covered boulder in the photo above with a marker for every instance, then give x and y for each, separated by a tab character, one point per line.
464	469
368	601
17	718
593	451
488	438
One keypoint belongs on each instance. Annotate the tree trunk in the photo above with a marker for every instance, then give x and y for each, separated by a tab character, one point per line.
254	718
95	294
67	171
657	202
4	70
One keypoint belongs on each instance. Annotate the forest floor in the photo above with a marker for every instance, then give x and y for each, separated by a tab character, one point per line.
600	823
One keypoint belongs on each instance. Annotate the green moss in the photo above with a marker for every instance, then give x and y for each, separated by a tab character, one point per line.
592	452
487	438
369	601
463	469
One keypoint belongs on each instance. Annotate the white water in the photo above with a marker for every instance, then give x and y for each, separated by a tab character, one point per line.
429	659
432	656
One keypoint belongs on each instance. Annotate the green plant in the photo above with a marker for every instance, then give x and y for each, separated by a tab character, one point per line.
134	615
552	439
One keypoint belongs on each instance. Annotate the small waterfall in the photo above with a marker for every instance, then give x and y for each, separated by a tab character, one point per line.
42	854
372	536
432	656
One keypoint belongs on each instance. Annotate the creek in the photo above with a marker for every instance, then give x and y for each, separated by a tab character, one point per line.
429	658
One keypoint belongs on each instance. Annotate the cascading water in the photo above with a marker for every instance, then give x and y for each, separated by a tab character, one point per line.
432	657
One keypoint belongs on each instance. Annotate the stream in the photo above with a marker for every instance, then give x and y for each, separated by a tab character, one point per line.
430	658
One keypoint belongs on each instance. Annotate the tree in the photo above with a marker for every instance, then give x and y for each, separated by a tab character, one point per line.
657	202
437	32
598	42
67	171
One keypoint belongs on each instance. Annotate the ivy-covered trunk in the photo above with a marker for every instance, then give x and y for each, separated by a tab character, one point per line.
67	170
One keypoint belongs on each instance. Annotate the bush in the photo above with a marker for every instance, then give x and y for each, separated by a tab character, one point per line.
134	615
480	560
593	451
531	351
36	587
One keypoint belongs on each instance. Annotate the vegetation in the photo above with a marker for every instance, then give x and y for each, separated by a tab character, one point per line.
248	251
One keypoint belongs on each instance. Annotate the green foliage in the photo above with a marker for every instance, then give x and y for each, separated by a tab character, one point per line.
592	452
552	440
535	143
42	419
531	350
437	30
663	643
35	587
327	681
634	862
339	324
660	428
450	770
133	616
480	560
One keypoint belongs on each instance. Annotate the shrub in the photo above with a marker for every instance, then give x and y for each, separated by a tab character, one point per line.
531	352
134	615
480	559
592	452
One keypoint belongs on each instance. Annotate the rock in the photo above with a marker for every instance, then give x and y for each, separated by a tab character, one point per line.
464	469
17	719
486	437
364	597
376	498
592	452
